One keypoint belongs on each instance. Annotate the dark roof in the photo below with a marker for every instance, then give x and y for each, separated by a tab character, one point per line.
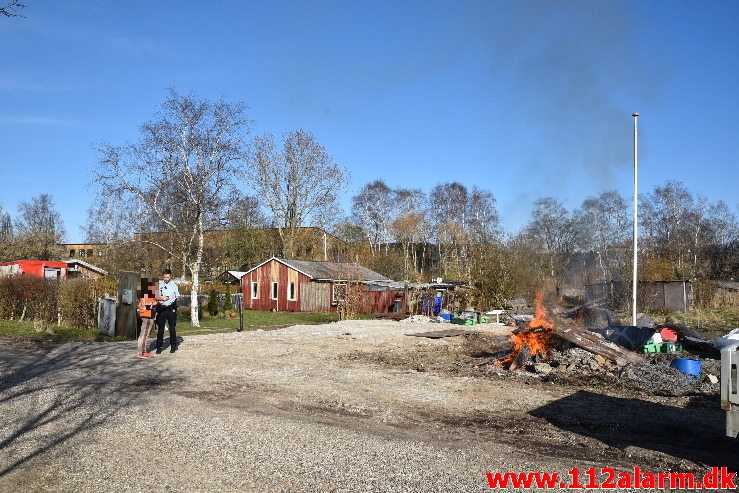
230	276
330	271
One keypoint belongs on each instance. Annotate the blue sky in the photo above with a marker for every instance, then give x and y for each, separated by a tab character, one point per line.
523	98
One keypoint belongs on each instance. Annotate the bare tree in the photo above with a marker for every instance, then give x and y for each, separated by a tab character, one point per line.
7	9
483	219
181	173
299	183
555	233
467	223
410	227
449	221
723	224
372	209
607	229
39	229
6	235
723	251
666	216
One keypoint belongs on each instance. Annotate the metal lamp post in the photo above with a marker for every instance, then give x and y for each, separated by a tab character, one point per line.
636	221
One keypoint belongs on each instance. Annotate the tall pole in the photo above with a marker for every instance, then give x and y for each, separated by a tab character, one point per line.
636	221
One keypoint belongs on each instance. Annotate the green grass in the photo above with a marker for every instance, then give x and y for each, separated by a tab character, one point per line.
253	319
709	323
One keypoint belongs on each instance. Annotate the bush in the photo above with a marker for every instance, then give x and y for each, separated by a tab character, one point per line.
26	297
228	305
67	302
78	301
213	303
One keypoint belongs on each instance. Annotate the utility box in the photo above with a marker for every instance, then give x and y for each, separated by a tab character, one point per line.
729	395
106	315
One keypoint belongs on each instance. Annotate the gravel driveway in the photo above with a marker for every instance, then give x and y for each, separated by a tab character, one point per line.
304	408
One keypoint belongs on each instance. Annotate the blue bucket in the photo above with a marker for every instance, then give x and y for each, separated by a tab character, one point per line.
688	366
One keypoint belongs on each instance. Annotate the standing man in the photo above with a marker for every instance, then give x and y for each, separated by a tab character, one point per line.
167	313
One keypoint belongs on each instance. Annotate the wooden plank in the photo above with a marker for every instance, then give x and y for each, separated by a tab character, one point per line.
593	343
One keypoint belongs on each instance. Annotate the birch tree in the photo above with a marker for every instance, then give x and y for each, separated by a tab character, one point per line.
6	234
180	173
555	233
299	183
372	209
607	227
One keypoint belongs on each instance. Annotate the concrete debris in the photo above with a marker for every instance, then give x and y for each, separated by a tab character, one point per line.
420	319
659	379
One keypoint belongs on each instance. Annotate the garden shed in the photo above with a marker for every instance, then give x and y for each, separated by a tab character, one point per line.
316	286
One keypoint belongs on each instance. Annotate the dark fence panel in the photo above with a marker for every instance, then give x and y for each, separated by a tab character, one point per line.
673	295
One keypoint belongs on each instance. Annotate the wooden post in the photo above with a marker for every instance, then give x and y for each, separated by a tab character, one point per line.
126	321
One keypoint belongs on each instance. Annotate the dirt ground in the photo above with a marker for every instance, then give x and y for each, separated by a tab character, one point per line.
377	379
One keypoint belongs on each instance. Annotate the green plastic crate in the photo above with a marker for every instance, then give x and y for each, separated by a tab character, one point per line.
651	347
463	321
671	347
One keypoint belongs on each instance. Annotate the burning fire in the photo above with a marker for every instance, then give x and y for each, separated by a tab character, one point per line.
535	338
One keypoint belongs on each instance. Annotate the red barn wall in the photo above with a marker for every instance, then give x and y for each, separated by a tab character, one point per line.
264	276
310	296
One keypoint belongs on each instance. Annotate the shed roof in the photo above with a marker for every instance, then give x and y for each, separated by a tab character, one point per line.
230	276
329	271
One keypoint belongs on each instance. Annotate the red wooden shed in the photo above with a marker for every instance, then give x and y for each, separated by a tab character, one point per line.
312	286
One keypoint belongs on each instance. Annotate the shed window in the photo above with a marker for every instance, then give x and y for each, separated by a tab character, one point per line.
254	290
274	290
291	291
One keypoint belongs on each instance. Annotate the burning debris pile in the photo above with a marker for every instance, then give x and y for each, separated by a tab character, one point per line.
532	343
542	347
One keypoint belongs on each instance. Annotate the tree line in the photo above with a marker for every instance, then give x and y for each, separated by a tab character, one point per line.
194	169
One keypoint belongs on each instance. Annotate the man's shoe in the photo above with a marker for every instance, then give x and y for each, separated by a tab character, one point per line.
147	355
143	356
173	349
159	350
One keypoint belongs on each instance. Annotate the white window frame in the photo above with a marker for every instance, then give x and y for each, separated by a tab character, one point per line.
275	290
254	290
291	291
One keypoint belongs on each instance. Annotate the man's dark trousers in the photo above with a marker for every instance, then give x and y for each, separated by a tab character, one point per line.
167	315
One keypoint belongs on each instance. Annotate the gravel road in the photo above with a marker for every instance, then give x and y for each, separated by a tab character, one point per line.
303	408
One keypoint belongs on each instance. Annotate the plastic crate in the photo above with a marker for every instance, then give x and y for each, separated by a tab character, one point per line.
484	320
463	321
671	347
651	347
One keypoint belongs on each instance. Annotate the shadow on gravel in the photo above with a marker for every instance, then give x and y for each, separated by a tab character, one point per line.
50	395
695	433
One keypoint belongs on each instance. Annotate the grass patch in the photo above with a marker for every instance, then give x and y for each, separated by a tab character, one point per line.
253	319
708	323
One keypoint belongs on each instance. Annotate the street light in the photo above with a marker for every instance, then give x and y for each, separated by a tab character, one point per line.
633	286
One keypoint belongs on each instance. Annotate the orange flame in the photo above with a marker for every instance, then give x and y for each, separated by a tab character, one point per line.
537	341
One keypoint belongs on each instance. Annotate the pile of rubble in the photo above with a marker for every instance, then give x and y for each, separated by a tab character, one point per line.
420	319
574	352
